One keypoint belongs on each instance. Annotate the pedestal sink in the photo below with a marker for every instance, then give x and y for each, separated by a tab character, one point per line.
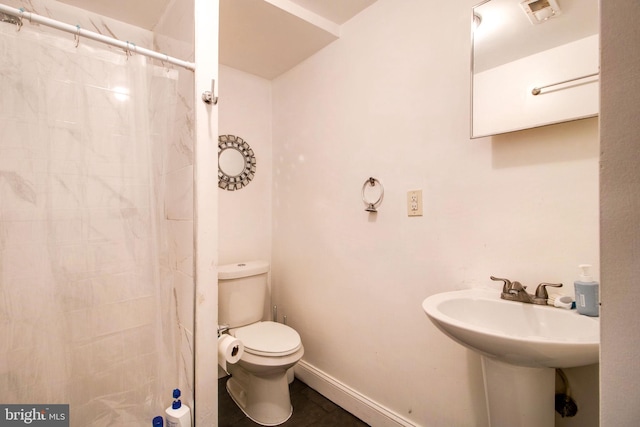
520	346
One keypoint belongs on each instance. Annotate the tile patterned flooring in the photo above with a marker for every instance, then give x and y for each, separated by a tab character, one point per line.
310	409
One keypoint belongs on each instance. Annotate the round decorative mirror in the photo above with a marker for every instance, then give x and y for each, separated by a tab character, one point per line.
236	162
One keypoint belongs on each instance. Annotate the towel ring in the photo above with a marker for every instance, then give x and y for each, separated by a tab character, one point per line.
372	206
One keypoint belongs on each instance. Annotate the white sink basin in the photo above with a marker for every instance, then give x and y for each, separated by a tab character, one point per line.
514	332
520	345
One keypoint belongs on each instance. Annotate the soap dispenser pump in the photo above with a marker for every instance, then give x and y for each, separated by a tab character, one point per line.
587	295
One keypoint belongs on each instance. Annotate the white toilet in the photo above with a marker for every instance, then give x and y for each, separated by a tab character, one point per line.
258	382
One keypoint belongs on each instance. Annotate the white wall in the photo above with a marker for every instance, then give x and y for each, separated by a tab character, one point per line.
245	214
620	204
390	99
206	18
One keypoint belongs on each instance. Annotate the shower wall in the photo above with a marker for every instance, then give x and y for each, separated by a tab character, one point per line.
174	35
92	324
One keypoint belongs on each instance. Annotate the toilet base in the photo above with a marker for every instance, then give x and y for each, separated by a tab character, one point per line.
264	399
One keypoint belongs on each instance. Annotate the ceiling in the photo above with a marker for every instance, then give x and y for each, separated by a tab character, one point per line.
338	11
261	37
269	37
141	13
506	34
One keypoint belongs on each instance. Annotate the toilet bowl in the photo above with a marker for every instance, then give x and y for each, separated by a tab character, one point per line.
258	383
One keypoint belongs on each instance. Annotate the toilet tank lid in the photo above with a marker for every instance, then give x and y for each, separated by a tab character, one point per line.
242	269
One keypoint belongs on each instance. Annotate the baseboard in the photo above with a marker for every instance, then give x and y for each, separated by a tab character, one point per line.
367	410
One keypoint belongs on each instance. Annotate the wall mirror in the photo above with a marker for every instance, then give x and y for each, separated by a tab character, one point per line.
523	46
236	163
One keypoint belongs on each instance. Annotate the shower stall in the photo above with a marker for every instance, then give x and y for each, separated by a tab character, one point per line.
97	259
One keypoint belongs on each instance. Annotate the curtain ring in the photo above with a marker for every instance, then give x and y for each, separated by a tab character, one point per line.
165	63
372	206
76	37
19	20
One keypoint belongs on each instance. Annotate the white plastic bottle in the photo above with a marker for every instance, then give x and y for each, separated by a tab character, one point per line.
587	295
177	415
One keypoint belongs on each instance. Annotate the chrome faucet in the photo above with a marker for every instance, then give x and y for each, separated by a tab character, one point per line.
515	291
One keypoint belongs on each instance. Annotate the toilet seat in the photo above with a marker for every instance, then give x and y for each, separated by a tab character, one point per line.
268	339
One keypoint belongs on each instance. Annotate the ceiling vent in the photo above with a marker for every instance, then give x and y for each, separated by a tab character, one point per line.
539	11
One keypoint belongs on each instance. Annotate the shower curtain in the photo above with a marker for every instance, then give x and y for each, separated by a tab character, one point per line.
85	293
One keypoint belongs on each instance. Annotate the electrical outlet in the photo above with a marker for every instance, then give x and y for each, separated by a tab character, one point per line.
414	203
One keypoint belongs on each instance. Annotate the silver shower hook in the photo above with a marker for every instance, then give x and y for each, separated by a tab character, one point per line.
209	97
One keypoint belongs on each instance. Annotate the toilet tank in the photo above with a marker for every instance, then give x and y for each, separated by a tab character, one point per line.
242	292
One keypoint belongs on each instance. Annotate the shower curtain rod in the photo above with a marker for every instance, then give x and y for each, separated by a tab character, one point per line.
79	32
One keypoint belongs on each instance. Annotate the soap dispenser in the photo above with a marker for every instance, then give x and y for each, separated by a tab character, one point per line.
587	295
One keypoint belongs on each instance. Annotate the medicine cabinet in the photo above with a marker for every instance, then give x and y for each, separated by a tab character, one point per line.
533	63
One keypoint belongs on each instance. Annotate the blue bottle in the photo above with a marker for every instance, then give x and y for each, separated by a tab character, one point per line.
158	422
587	293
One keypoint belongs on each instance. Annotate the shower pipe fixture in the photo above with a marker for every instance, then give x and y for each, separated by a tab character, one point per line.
538	90
78	32
372	206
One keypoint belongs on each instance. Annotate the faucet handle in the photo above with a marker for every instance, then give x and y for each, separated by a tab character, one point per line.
517	286
506	283
541	290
